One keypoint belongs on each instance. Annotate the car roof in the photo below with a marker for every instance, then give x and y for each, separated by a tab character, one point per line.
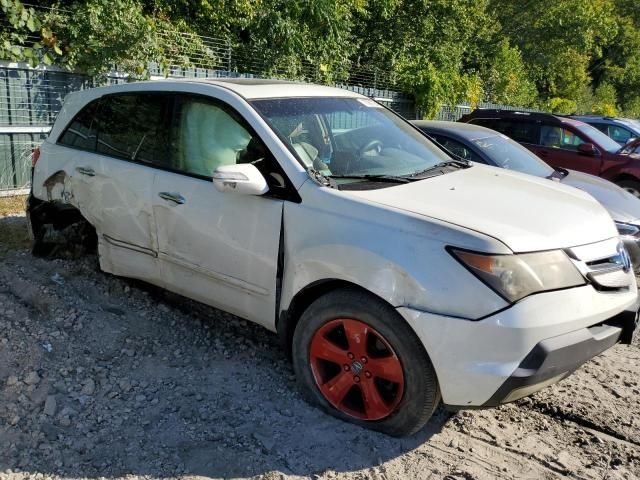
628	122
249	88
467	131
517	114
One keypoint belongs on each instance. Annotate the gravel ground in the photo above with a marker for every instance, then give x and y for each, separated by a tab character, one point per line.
105	377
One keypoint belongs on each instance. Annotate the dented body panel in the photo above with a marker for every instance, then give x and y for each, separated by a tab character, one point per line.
115	198
398	256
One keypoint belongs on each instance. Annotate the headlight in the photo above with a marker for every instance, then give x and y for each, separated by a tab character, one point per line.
516	276
627	229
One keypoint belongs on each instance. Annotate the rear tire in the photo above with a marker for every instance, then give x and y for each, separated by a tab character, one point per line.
348	333
631	186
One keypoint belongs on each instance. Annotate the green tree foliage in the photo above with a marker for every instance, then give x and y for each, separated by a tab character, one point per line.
566	56
507	79
105	33
425	43
29	39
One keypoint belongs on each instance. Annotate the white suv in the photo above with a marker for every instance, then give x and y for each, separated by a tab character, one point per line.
395	275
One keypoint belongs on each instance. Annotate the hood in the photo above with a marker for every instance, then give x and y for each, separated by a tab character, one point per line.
526	213
621	205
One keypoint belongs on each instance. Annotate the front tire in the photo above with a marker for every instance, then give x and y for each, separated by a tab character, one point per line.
357	359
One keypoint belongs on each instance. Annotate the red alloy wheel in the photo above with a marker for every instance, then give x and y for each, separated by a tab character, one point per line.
356	369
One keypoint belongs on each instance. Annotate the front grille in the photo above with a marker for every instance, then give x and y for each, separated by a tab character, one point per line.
605	264
617	278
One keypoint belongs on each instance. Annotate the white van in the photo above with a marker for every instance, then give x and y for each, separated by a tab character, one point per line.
396	276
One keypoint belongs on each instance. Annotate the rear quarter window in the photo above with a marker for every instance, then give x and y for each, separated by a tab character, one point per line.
81	133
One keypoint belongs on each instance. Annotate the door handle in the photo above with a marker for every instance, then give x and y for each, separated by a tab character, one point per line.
86	171
172	197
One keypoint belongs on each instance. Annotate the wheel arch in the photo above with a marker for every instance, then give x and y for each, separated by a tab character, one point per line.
48	216
624	176
288	317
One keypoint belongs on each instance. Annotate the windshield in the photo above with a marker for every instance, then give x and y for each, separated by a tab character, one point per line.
349	137
507	153
597	136
633	147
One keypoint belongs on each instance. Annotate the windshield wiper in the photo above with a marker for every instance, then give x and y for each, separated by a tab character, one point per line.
441	165
377	178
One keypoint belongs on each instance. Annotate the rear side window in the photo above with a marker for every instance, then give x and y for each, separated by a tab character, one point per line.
518	130
135	127
603	127
80	133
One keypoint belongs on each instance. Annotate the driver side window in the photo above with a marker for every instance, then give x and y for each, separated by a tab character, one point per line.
207	136
557	137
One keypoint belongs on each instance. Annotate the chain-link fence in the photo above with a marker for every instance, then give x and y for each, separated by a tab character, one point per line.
30	99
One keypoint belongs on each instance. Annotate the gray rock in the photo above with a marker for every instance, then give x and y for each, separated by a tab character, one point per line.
89	387
32	378
50	406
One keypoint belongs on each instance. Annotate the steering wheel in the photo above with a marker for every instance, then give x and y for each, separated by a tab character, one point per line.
377	144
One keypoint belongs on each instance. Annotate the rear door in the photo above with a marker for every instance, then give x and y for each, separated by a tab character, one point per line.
559	148
112	185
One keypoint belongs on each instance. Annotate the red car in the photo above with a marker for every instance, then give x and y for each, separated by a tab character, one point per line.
566	143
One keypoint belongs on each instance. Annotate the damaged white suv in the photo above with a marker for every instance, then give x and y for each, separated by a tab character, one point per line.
396	276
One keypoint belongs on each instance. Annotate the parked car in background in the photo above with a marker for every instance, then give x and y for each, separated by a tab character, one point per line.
621	130
565	143
395	274
482	145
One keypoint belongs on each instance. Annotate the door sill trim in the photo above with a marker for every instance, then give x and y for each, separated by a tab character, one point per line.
220	277
129	246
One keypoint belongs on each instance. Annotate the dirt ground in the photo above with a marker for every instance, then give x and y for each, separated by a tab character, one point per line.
101	377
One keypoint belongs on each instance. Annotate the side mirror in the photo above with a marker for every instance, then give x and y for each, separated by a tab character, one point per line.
588	149
242	178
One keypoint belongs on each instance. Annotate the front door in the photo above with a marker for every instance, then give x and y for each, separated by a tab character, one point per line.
217	248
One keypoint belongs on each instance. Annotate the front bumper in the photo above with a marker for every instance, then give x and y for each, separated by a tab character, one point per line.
517	351
555	358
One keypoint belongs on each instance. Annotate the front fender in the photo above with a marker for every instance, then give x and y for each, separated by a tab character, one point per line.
397	256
